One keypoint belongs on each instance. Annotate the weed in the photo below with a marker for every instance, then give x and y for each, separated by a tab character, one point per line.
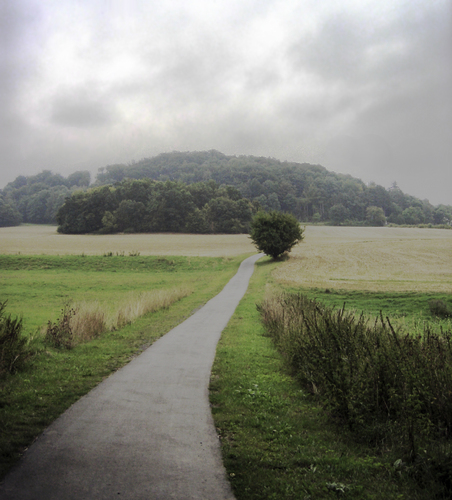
14	350
87	322
90	319
60	333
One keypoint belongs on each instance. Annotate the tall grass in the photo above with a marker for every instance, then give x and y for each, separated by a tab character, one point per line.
391	387
83	321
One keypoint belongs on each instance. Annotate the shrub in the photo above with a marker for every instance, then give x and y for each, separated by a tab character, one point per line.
14	349
388	386
440	308
275	233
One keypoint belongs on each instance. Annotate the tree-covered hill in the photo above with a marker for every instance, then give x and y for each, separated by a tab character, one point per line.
310	192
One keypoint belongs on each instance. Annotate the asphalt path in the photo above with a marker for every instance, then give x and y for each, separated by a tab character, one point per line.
146	432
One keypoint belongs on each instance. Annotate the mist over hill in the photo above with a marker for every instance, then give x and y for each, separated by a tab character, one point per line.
310	192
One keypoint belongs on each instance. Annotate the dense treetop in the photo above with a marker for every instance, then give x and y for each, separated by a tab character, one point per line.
310	192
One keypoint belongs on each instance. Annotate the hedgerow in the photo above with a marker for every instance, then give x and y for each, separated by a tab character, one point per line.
392	388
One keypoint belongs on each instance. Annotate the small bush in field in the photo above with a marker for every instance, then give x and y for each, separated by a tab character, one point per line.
440	308
14	351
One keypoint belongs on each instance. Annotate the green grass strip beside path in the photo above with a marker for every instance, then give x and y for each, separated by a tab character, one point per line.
275	439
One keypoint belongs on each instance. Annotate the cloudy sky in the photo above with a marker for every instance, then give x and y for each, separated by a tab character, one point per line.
363	87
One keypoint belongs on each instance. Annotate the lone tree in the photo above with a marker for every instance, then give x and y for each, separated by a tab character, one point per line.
275	233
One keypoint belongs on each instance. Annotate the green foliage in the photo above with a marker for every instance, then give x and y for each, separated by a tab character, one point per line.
36	199
275	233
152	206
392	388
9	215
375	216
14	351
339	214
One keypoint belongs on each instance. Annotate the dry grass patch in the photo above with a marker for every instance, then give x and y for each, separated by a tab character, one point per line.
378	259
41	239
84	321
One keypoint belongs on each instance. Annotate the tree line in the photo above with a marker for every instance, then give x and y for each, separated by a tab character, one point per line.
36	199
310	192
146	205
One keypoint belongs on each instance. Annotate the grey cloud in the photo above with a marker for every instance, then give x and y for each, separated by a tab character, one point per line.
362	94
81	107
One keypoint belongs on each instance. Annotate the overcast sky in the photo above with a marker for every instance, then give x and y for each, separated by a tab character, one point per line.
362	87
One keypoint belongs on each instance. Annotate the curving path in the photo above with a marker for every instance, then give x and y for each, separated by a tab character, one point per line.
146	432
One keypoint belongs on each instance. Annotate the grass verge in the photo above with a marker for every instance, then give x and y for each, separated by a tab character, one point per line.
276	440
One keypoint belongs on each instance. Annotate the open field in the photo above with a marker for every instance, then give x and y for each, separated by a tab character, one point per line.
44	240
371	258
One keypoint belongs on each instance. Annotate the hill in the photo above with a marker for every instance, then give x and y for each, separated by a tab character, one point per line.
310	192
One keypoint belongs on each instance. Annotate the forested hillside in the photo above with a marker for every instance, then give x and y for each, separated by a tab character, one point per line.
310	192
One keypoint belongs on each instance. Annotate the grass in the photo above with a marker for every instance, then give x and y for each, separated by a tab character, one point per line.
276	440
38	287
391	387
408	306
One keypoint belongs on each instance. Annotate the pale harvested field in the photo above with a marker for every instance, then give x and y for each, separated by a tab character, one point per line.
38	240
377	259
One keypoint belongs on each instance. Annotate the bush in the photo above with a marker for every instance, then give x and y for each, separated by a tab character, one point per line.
14	350
390	387
275	233
440	309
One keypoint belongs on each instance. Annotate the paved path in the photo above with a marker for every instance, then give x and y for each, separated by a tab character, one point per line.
146	432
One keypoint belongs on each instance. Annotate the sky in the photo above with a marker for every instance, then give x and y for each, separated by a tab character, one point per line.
362	87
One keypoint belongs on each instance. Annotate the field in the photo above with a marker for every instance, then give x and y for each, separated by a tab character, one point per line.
277	443
372	259
360	258
38	287
44	240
